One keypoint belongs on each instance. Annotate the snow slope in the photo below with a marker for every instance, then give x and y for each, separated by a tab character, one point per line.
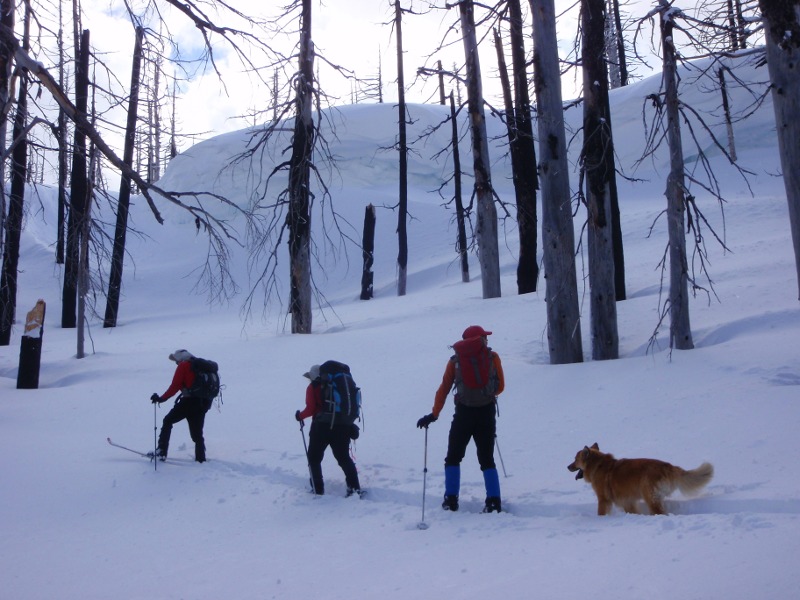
81	519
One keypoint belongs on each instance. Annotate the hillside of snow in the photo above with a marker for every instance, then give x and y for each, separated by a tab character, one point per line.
84	520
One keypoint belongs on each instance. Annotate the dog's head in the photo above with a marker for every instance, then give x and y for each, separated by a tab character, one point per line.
579	464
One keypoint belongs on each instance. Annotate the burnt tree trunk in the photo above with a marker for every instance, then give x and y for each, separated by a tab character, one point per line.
402	204
368	252
726	109
558	235
123	203
299	216
526	179
6	67
486	230
782	26
16	203
680	332
461	244
77	205
598	169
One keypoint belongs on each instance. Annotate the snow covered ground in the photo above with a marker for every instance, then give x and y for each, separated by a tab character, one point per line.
81	519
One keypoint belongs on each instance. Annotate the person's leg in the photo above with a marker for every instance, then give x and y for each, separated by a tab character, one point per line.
340	446
484	435
196	419
317	443
460	434
175	415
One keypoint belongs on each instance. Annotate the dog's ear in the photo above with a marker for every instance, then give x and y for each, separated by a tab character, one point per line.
595	446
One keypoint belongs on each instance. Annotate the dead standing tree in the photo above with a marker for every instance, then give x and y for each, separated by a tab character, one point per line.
672	117
123	202
299	216
558	235
13	224
525	176
598	174
402	147
782	24
486	230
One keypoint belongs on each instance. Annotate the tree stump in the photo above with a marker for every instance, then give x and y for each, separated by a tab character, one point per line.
30	348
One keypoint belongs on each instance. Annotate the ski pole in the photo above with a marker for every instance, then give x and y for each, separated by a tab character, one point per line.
422	523
500	454
308	462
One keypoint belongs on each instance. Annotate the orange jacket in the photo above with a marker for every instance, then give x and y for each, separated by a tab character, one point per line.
449	378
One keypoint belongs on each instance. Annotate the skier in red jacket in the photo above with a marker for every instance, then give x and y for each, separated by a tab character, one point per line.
186	407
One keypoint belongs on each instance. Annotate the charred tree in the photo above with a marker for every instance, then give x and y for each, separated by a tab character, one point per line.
368	252
63	151
402	203
558	235
461	244
486	230
299	216
523	153
597	160
617	45
78	192
123	203
6	67
782	25
16	202
680	332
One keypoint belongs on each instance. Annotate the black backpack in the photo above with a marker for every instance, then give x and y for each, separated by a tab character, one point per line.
206	379
341	397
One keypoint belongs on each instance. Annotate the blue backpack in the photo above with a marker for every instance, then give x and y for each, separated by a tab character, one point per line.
341	397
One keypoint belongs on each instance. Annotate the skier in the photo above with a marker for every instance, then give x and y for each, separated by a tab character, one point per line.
323	433
474	415
188	407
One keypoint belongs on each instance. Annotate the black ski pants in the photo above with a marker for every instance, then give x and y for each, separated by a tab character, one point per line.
472	422
337	437
194	411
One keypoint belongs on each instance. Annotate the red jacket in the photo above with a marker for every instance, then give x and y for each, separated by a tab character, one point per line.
182	380
313	401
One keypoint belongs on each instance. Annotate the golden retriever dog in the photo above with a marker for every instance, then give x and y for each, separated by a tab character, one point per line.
625	481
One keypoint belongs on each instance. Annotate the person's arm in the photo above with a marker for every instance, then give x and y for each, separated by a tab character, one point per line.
312	403
444	388
183	378
501	379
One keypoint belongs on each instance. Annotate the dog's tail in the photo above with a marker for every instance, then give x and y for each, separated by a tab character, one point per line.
690	482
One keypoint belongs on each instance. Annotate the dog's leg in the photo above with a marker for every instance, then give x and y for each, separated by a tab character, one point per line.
603	506
655	504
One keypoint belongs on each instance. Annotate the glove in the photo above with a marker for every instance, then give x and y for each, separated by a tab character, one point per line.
297	416
354	431
155	399
425	421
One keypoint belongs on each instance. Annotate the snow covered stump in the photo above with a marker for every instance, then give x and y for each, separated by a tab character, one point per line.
30	349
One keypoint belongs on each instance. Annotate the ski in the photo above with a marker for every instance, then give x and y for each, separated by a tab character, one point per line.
142	454
149	455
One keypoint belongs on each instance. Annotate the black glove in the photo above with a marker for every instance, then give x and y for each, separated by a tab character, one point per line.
354	431
155	399
425	421
297	416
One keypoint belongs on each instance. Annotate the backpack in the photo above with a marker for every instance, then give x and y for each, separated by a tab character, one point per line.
206	379
476	379
341	397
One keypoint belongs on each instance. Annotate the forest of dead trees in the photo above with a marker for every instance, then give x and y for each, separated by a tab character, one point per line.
70	121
